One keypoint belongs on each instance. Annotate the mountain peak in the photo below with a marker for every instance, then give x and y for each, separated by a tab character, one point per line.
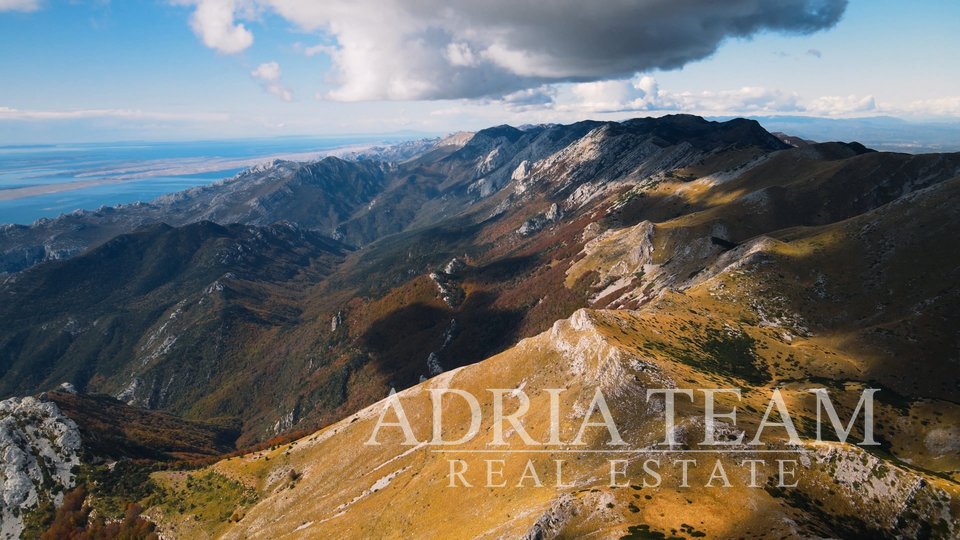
505	131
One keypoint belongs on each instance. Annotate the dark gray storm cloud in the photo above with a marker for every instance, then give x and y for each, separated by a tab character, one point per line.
436	49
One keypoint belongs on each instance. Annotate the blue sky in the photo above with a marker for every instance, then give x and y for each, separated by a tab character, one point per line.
186	69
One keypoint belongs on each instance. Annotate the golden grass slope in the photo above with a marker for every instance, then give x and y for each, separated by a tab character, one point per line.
864	302
350	490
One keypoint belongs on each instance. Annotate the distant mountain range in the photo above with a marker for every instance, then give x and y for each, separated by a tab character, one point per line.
887	133
672	251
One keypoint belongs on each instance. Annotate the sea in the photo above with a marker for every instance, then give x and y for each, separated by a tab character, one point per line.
45	181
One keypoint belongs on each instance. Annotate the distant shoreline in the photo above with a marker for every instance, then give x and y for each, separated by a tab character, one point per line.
176	169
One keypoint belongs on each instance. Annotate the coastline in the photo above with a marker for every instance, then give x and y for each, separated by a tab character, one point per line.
177	167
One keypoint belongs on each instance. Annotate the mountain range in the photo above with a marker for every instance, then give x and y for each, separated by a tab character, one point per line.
651	253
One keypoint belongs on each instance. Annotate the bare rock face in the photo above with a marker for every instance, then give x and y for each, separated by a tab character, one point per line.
538	222
454	267
336	321
39	448
448	284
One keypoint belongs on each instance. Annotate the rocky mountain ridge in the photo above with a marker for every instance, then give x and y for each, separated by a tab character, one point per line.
669	199
40	449
704	253
817	306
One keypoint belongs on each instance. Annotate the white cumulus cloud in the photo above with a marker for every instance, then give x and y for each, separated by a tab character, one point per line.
645	94
943	106
269	76
214	22
619	95
842	105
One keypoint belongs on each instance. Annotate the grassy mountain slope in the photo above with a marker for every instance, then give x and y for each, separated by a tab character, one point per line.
541	222
706	255
802	307
111	429
155	307
516	285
